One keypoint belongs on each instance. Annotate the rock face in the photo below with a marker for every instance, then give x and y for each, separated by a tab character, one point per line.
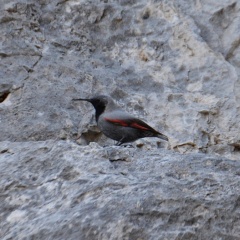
175	64
60	190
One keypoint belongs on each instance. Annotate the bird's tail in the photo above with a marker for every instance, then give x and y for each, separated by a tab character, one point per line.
162	136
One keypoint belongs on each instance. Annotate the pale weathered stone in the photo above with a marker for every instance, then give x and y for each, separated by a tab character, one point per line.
60	190
175	64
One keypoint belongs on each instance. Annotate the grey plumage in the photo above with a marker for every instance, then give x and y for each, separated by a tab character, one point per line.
117	124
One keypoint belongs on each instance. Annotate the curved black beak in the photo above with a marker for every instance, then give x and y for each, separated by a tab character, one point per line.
81	99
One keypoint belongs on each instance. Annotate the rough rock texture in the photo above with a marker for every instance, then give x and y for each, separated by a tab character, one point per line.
60	190
175	64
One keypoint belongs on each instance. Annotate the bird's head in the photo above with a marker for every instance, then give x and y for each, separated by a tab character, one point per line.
99	102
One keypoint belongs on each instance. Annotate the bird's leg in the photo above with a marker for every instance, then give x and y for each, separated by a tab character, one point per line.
128	145
120	142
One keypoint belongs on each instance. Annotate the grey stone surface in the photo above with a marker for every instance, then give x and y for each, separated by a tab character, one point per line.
175	64
60	190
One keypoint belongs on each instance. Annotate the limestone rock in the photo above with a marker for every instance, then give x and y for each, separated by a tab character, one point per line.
176	65
60	190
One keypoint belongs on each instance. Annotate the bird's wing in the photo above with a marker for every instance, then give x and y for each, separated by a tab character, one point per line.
131	122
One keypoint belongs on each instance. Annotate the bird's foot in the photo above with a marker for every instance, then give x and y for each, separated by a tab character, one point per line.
128	146
125	145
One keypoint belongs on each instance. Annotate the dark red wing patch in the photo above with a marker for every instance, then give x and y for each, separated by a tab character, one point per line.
136	125
133	123
117	122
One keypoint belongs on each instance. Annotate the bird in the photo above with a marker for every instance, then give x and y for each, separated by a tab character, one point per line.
117	124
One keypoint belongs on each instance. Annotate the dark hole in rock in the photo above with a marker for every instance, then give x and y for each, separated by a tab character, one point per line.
4	151
4	91
146	15
236	148
3	96
91	136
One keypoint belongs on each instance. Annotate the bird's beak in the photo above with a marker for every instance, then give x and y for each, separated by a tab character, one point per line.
81	99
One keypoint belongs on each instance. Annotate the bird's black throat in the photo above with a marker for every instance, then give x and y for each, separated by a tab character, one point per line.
99	107
99	111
